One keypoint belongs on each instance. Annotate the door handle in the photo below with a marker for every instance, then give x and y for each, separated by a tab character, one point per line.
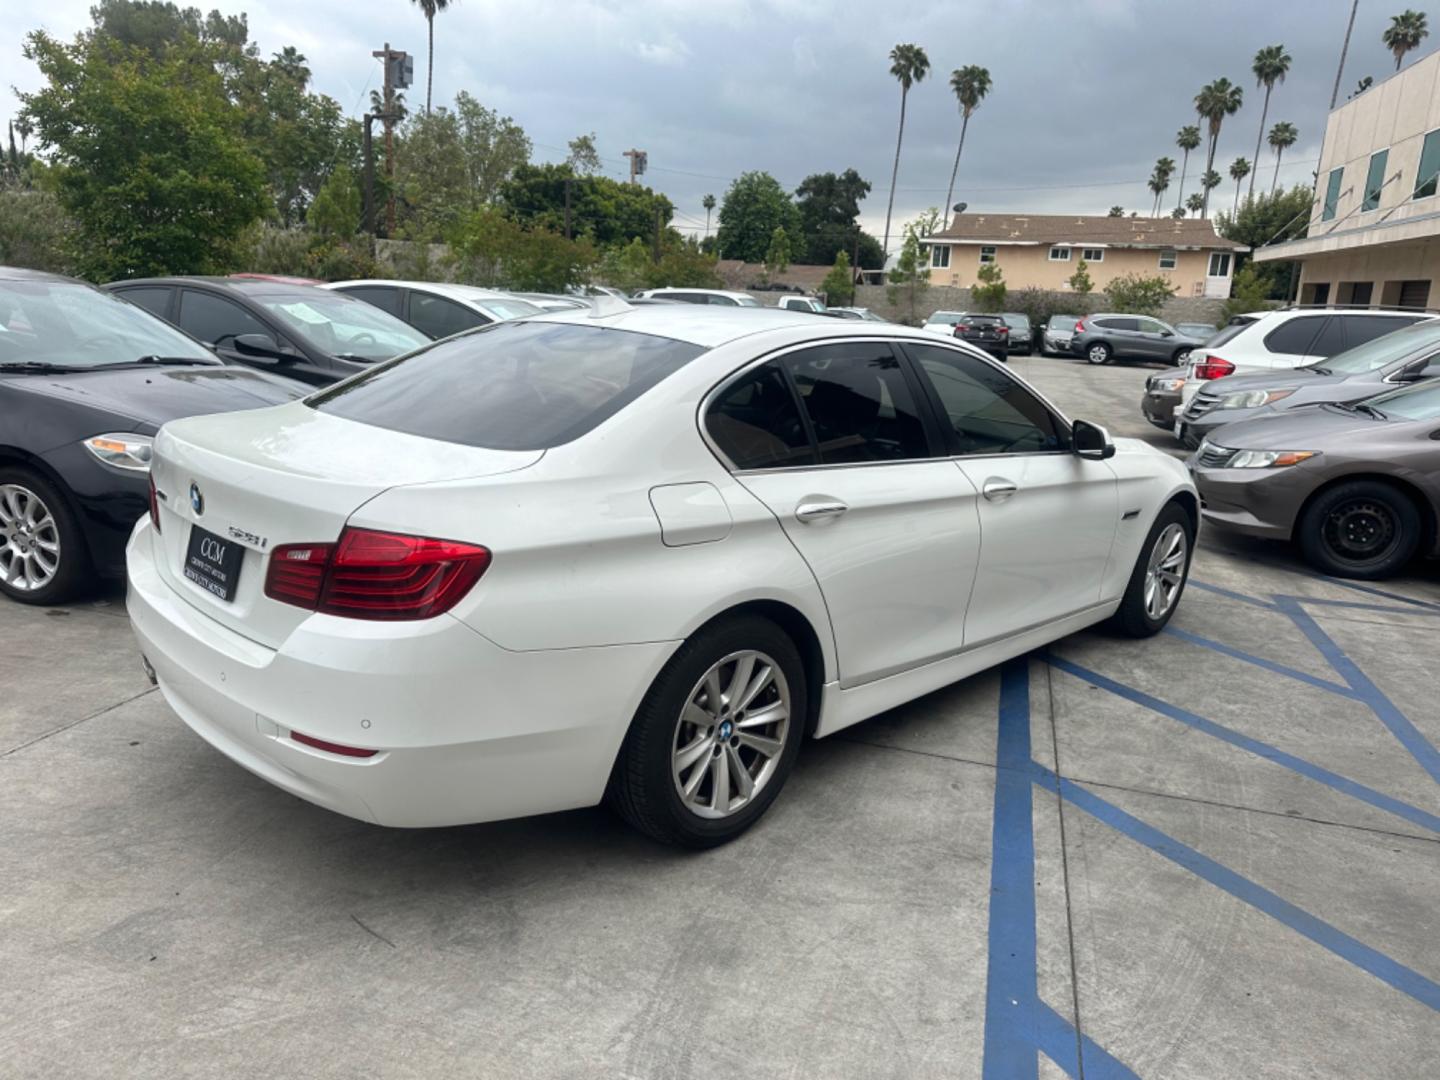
819	511
998	490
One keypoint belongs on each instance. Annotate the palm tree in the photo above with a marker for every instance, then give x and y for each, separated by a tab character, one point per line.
1216	101
1159	182
1187	139
431	8
1178	212
24	128
1282	136
1239	169
709	204
1195	203
1209	181
1344	48
397	102
909	65
1271	64
971	84
1404	33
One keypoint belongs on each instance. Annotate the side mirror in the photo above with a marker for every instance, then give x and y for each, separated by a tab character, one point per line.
1167	333
260	345
1091	441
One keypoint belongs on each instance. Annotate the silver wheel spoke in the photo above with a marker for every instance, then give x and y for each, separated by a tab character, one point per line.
720	792
760	744
739	681
694	752
696	779
714	699
757	683
770	715
694	714
741	774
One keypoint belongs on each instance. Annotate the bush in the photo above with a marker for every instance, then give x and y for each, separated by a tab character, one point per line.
303	252
1039	304
1249	291
35	231
1135	294
990	293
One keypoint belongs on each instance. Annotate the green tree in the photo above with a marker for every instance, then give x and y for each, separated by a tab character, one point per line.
777	255
584	159
1080	281
970	84
753	208
1239	169
604	209
839	283
930	221
1404	33
683	263
1270	65
1187	139
149	155
1178	212
1116	211
709	204
989	294
1195	203
1269	219
1282	136
495	250
1216	101
430	8
625	266
829	206
1159	182
1137	294
1249	291
336	209
36	232
909	280
909	65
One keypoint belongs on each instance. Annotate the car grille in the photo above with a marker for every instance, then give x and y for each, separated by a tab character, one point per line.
1211	456
1201	404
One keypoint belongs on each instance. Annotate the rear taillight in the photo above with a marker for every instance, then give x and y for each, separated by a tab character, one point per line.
375	575
961	326
154	505
1213	367
1079	327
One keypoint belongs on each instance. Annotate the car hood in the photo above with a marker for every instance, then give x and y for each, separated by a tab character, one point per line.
1307	429
153	395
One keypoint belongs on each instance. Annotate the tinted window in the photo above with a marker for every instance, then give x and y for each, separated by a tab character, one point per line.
1295	335
1152	326
1118	324
1375	180
756	422
1332	194
385	297
1228	333
1425	177
859	403
1361	329
1062	322
1016	322
985	320
687	298
511	386
1385	347
215	320
987	411
439	317
719	301
153	298
1330	340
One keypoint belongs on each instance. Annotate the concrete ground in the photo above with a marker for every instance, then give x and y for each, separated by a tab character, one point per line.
1215	853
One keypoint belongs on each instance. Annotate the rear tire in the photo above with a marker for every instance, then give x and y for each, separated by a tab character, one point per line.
43	559
1158	579
1363	529
684	746
1098	353
1182	356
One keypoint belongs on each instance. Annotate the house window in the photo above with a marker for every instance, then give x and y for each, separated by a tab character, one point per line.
1375	179
1219	264
1332	194
987	254
1093	255
940	256
1429	166
1059	254
1167	260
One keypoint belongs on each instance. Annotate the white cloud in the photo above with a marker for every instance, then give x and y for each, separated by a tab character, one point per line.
671	52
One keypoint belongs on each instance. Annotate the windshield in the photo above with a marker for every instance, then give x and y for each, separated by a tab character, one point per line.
510	386
72	325
1419	402
747	301
944	318
509	309
1016	322
1063	322
1380	351
341	325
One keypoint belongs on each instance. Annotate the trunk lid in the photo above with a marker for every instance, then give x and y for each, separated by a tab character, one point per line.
284	475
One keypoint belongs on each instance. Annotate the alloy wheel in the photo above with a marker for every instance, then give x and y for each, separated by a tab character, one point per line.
1098	354
1182	358
29	540
1165	571
731	734
1360	530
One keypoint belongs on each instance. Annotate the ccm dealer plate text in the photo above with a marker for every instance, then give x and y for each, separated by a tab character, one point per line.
213	563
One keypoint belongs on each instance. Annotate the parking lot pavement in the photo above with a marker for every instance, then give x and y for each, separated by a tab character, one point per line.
1211	854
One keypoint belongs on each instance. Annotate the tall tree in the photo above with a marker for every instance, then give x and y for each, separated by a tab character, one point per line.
1239	169
1270	65
1116	211
970	84
752	209
829	208
709	204
584	158
24	129
431	8
1404	33
1282	136
1187	139
1344	48
909	65
1160	182
1196	203
397	104
1216	101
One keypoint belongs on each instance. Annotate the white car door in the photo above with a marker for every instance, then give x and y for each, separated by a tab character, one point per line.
890	532
1047	517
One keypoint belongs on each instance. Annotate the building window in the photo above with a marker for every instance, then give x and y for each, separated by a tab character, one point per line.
1429	166
940	256
1093	254
1332	194
987	254
1167	260
1375	179
1219	264
1059	254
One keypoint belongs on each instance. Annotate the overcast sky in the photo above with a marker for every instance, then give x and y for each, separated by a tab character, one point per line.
1086	95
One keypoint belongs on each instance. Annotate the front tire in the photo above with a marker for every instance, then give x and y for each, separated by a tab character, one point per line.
1098	353
42	554
715	738
1159	577
1359	529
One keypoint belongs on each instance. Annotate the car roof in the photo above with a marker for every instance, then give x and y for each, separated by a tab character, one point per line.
243	286
697	289
440	288
20	273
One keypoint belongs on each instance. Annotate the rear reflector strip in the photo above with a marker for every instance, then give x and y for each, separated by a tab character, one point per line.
330	747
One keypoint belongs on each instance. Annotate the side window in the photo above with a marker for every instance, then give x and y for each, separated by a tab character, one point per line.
1330	340
1295	335
986	411
384	297
1362	328
713	300
153	298
1119	324
1152	326
216	321
859	403
756	423
439	317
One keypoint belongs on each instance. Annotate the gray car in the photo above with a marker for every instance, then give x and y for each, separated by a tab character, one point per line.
1104	337
1055	334
1406	356
1356	486
1021	332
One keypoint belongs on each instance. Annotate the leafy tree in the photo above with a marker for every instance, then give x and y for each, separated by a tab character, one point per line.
1216	101
1187	139
625	266
989	294
1239	169
397	104
1116	211
970	84
929	222
336	209
754	207
1178	212
839	283
1270	65
584	159
1404	33
777	255
604	209
829	207
909	65
431	8
149	155
1080	281
493	249
682	262
1210	180
1282	136
1159	182
35	231
909	279
1195	203
1137	294
1269	219
1249	291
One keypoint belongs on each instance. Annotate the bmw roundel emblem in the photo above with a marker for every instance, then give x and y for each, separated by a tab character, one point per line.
197	501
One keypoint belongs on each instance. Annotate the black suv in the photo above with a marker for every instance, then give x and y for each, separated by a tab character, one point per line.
989	332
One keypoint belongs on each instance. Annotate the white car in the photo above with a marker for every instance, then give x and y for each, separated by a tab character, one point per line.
812	304
640	554
711	297
436	308
858	313
943	322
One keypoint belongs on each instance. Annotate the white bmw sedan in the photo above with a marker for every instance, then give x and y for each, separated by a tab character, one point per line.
631	553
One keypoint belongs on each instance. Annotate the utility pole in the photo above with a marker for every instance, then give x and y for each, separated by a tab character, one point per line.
639	161
367	216
399	73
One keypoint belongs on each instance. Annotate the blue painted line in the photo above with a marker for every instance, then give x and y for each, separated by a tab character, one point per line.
1420	748
1056	1037
1255	601
1397	975
1260	661
1373	591
1231	594
1264	750
1356	605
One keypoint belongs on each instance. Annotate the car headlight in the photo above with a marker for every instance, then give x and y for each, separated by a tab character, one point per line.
1268	459
1252	399
124	451
1169	385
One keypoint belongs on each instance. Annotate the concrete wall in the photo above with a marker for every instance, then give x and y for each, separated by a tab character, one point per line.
1382	267
1027	266
945	298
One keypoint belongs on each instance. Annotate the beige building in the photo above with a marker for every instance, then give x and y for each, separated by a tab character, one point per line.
1044	250
1373	229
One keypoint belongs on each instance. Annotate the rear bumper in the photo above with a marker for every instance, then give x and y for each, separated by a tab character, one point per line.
464	730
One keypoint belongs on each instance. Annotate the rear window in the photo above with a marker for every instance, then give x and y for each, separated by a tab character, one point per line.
1062	322
1229	333
510	386
1016	322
